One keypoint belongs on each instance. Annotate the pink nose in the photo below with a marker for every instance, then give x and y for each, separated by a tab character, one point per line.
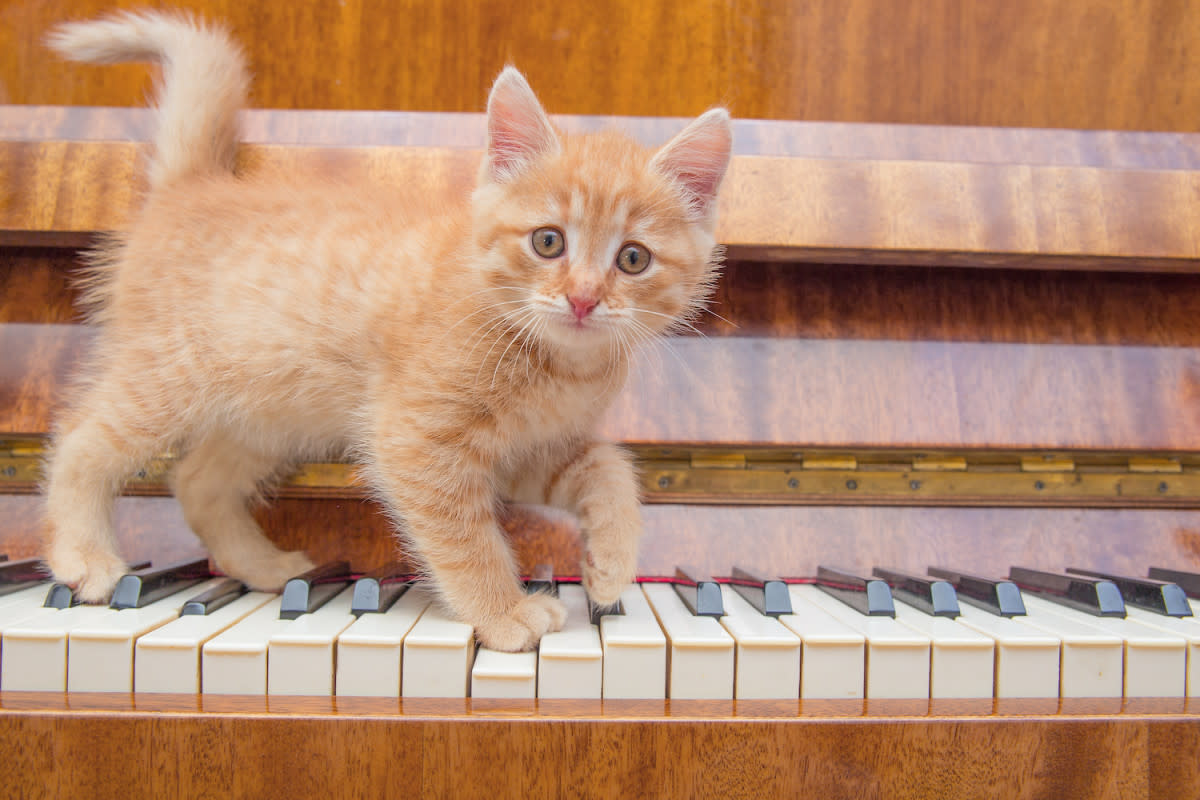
582	305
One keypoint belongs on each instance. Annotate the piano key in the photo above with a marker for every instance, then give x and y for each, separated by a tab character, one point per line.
571	661
897	662
1094	596
301	650
376	592
18	575
1161	597
1001	597
1027	658
833	655
598	612
235	661
1091	660
931	595
766	653
769	597
868	596
371	650
145	586
438	654
1188	581
542	580
699	592
306	593
701	661
635	651
961	659
220	595
169	659
1189	629
100	651
35	648
1155	661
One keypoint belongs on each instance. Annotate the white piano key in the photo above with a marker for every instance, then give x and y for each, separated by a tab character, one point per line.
1189	629
500	674
1155	661
168	659
635	651
1091	660
29	598
438	654
571	661
897	656
370	651
301	651
833	655
35	648
767	654
961	660
700	659
100	652
235	661
1027	658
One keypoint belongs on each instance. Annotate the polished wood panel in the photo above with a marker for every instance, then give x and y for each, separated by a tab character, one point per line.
1113	64
60	745
60	192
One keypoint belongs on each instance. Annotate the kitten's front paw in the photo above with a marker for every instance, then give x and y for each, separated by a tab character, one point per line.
93	574
523	626
270	572
606	573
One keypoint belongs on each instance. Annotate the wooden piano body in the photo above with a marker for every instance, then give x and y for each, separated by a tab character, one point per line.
968	346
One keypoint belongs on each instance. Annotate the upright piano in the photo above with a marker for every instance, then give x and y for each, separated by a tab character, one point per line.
977	348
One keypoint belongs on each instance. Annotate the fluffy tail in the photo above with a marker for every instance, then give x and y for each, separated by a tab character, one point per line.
203	84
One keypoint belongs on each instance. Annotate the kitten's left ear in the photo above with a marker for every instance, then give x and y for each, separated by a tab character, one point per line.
518	129
697	157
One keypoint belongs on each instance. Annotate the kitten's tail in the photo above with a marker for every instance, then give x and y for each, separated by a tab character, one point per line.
203	85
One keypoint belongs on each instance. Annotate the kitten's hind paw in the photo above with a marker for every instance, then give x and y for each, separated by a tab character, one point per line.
93	574
523	626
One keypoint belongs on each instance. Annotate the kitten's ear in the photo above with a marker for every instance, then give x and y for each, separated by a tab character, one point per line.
697	157
518	129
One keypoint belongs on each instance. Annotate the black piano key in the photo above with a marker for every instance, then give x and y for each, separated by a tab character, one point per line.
931	595
1095	596
699	592
770	597
542	580
598	612
869	596
306	593
212	599
1188	581
136	589
17	575
1161	597
60	595
378	591
995	596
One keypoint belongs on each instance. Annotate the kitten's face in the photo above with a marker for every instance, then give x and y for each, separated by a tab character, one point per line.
599	243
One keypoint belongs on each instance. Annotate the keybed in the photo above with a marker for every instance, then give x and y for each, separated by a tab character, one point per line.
656	648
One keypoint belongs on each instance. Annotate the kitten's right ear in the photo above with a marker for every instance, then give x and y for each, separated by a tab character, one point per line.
519	131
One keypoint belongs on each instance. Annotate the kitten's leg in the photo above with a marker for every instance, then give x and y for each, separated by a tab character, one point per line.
92	457
598	484
215	484
447	502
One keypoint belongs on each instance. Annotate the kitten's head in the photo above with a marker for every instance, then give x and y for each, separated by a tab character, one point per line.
600	242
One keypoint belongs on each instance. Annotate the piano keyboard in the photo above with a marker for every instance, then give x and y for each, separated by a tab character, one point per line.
657	645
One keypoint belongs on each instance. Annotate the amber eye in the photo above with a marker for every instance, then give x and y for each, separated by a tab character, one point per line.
549	242
633	259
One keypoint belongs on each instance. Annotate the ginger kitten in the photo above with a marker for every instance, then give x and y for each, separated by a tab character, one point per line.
461	349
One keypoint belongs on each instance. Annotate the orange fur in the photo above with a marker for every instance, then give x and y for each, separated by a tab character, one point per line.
251	322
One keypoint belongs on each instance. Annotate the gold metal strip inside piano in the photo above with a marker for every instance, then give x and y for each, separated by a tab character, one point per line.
775	476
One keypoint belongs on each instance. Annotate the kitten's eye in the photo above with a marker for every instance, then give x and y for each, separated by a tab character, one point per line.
549	242
633	259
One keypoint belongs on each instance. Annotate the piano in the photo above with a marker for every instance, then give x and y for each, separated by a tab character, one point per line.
970	348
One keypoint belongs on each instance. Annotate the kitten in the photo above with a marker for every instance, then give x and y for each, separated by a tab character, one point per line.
461	349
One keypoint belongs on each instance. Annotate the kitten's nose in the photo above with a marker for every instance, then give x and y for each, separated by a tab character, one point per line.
582	305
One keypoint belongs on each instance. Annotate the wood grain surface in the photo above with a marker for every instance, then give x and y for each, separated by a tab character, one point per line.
1109	64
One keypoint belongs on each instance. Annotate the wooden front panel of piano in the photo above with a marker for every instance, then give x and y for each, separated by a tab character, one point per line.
995	339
